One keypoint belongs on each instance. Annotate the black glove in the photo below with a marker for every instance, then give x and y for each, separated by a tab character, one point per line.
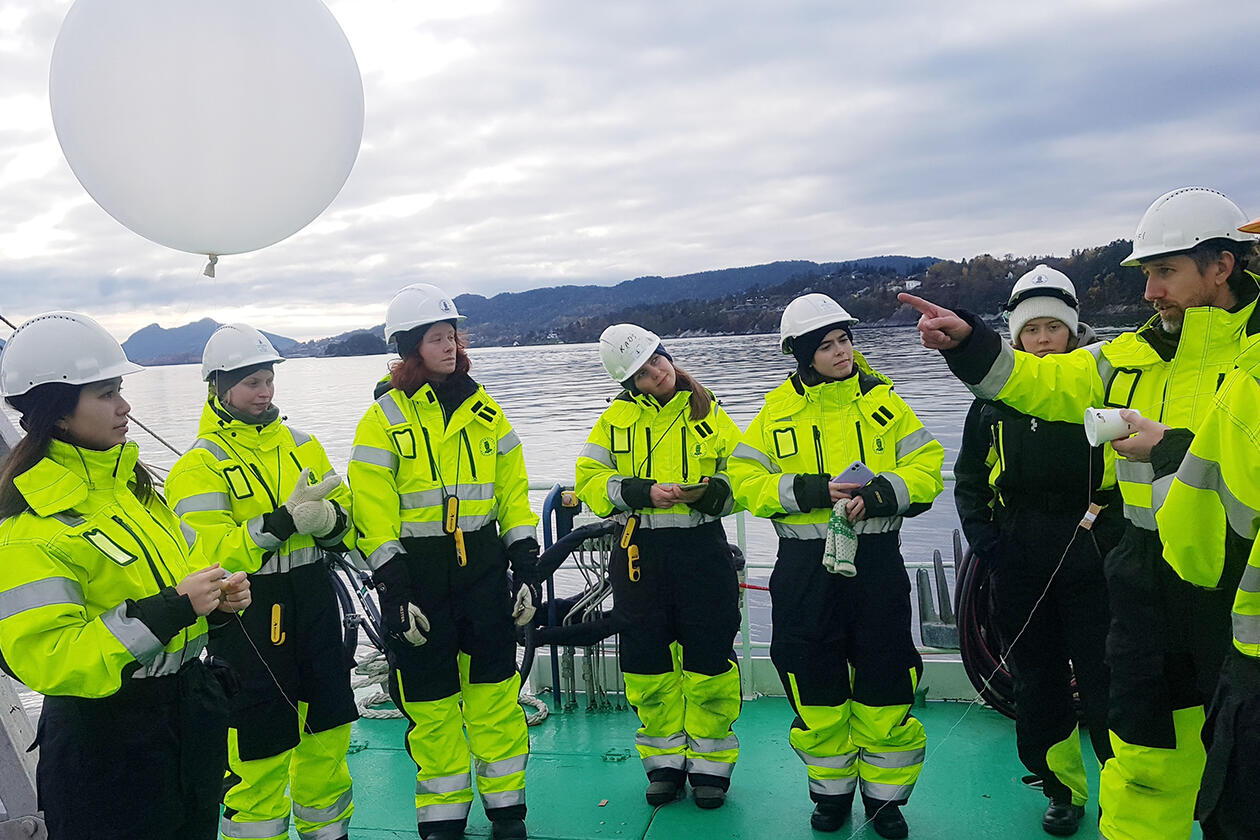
522	556
878	496
637	493
811	491
713	502
400	613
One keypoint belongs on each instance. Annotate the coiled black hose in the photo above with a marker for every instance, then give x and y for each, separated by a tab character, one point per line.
979	639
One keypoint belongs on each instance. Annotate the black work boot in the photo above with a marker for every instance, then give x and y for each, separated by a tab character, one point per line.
508	829
887	821
664	791
828	817
1062	818
708	796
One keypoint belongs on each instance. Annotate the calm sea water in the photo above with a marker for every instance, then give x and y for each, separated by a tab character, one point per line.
553	394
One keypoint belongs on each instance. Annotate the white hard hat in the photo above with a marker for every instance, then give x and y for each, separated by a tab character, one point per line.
417	305
1043	293
1179	220
60	347
806	314
234	346
624	348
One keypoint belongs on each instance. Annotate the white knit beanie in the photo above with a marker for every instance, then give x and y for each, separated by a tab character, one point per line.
1042	306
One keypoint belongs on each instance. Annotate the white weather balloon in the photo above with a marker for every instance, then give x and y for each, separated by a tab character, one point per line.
210	126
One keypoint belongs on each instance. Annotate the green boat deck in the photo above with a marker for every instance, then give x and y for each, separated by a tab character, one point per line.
585	782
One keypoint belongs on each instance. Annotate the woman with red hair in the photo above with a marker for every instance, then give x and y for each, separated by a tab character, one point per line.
442	509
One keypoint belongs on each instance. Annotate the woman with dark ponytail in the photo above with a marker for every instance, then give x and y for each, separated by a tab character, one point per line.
102	606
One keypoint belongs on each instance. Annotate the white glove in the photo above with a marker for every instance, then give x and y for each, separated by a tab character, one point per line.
523	609
415	625
311	511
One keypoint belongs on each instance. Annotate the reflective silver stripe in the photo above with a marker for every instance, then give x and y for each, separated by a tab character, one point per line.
1140	517
520	532
833	762
800	530
892	759
712	745
599	454
833	787
1159	491
444	784
300	438
298	557
443	811
422	499
169	662
278	827
614	492
189	533
375	456
67	519
787	494
211	447
134	635
509	442
45	592
385	552
1134	472
747	452
677	741
877	525
1202	474
1250	579
261	538
503	799
884	792
203	502
916	439
709	767
332	831
1105	368
997	377
900	491
502	767
392	412
671	761
434	528
656	518
1246	628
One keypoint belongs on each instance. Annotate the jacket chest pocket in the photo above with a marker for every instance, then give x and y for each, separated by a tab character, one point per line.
113	546
619	438
404	441
238	482
1122	387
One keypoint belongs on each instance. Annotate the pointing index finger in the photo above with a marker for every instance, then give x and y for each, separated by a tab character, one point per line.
925	307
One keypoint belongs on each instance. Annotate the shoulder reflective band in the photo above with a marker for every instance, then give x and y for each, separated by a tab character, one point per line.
627	533
277	624
461	556
450	515
632	563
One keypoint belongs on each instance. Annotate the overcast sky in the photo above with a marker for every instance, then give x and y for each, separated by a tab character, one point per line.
523	143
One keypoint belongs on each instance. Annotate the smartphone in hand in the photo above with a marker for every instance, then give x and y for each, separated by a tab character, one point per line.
855	473
687	488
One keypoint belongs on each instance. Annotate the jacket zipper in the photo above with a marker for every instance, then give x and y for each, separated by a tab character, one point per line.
258	473
818	449
472	462
861	446
684	452
157	576
647	461
428	448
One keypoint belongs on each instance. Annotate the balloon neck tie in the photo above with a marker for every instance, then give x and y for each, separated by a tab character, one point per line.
214	259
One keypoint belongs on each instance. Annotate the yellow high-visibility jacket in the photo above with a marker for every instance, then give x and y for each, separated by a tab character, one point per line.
637	437
237	473
821	429
1210	517
1171	383
408	458
87	577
